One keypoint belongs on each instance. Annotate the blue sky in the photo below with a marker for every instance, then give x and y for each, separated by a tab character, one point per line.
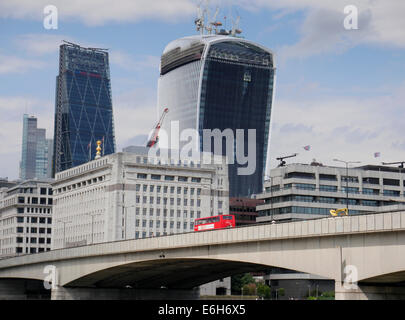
340	91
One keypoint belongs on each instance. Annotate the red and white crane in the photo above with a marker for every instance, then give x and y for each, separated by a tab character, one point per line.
155	136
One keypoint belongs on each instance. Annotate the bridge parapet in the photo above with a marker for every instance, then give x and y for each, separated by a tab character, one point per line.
383	222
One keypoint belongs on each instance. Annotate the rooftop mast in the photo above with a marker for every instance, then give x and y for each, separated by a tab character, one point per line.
206	24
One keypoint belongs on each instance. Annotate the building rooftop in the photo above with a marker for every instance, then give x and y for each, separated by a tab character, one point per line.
368	167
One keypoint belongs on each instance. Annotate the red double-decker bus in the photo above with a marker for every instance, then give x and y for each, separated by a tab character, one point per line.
216	222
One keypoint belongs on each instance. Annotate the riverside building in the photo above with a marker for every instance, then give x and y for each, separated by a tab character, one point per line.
129	196
302	191
26	218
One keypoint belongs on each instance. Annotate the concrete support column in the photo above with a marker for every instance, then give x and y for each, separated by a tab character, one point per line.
66	293
369	292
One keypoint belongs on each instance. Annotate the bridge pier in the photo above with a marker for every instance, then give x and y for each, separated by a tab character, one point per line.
68	293
369	292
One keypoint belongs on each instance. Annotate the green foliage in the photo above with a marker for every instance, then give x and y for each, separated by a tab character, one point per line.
329	295
281	292
239	281
263	291
249	289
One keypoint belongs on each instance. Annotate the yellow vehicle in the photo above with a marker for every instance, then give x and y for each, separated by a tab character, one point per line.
336	212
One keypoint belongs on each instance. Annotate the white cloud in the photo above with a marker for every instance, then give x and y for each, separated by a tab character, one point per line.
347	127
12	64
135	114
380	22
131	62
98	12
40	44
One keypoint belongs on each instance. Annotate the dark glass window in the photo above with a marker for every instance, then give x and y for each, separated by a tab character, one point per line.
236	93
391	182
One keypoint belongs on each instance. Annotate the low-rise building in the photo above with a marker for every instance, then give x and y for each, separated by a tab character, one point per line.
301	191
26	218
244	210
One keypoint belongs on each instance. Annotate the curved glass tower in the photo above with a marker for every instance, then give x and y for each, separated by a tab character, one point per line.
220	82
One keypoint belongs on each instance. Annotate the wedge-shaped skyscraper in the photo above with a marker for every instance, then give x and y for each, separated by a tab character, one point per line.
226	83
83	106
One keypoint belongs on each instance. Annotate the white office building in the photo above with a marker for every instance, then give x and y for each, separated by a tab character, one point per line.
128	196
302	191
25	218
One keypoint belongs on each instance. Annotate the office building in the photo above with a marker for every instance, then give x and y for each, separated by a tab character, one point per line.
26	218
221	82
83	106
301	191
35	153
5	184
129	196
244	210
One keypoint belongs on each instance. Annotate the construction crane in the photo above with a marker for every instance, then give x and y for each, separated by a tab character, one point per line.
281	159
401	163
155	136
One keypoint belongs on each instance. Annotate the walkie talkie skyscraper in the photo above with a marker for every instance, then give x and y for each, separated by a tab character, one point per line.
221	82
83	106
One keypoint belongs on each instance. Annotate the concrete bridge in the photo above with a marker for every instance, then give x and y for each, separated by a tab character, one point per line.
366	248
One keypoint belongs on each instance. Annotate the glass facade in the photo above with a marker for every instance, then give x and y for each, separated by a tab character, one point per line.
83	107
35	150
228	84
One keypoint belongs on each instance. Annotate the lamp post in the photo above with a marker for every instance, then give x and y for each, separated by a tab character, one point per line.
125	219
64	228
92	224
347	179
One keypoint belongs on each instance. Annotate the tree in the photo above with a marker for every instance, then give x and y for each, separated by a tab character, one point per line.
240	280
249	289
263	291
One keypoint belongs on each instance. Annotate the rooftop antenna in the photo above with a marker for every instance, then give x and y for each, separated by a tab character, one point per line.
281	159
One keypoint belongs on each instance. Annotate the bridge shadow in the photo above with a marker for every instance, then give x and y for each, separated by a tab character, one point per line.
166	273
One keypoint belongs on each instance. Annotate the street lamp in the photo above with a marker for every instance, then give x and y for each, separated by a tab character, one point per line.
125	219
92	223
347	179
64	228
